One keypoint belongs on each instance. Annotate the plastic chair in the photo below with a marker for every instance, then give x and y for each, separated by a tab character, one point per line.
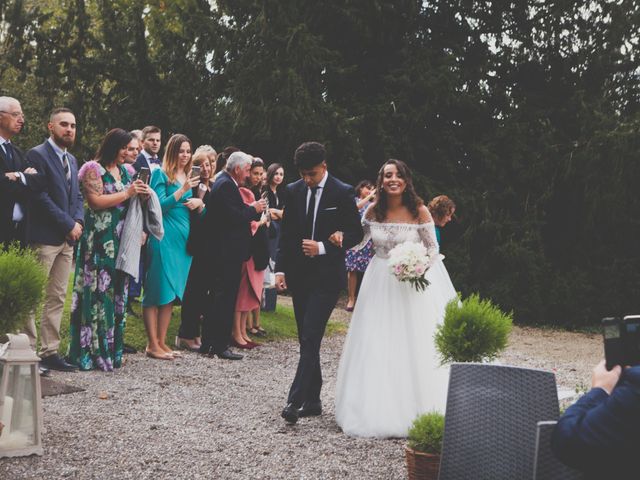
491	421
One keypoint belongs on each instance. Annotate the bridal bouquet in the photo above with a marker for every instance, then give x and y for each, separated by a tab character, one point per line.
409	262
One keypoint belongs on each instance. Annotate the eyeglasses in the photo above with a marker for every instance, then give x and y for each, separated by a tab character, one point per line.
14	114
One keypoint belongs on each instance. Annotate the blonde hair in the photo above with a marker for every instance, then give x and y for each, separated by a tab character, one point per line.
171	154
441	206
204	152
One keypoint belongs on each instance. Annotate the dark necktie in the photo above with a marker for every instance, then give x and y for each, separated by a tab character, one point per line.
67	172
154	160
310	211
8	153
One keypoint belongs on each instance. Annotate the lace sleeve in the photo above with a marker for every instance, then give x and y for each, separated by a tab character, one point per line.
428	236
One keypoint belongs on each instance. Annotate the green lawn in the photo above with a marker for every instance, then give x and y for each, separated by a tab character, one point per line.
279	325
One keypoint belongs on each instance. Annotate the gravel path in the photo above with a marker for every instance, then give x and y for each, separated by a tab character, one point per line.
209	418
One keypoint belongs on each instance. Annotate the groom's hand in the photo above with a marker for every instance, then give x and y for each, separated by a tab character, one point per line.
310	248
281	283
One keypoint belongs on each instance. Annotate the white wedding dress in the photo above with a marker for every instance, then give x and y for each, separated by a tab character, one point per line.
389	371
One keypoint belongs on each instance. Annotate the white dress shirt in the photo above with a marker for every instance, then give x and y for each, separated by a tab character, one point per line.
321	249
148	157
18	213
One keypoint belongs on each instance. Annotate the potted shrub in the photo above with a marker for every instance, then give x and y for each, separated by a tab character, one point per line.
422	451
473	330
22	281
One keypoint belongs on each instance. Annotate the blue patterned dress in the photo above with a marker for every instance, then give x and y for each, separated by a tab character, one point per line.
358	261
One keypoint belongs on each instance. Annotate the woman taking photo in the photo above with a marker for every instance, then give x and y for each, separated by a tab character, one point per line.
168	262
247	315
357	261
195	293
98	304
275	198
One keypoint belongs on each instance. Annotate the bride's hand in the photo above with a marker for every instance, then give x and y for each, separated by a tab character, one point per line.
336	238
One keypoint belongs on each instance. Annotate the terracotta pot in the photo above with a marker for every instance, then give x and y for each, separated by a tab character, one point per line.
422	466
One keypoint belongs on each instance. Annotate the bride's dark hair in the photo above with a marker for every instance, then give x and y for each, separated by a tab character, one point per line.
409	197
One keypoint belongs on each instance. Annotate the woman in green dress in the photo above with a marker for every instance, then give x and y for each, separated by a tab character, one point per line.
167	263
98	305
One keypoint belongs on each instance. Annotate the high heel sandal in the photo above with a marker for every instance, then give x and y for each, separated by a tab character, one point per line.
155	356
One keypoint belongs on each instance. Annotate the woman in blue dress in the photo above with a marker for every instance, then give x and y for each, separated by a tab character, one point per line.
167	262
357	261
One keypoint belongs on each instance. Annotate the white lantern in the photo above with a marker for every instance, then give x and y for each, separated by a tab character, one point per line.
20	399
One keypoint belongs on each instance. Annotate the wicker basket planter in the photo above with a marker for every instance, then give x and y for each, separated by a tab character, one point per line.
422	466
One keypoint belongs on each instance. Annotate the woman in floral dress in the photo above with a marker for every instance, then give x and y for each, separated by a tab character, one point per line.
357	261
98	306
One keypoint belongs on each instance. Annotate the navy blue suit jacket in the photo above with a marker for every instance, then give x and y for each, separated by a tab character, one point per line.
337	211
227	223
56	209
141	161
600	433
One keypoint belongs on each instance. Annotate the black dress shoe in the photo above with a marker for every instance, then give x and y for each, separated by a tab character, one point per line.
56	362
45	372
129	349
310	409
228	355
290	413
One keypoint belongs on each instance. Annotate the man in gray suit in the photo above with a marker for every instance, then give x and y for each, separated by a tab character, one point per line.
55	226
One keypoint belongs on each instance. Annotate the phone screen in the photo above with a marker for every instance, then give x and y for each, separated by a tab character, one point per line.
144	175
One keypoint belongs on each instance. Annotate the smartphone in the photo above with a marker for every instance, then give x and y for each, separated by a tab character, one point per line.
195	171
632	339
144	174
613	341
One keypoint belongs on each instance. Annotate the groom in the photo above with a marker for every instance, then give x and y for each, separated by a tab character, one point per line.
317	206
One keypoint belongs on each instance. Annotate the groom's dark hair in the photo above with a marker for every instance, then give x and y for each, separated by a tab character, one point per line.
308	155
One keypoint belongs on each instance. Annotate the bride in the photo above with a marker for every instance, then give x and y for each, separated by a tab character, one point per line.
389	372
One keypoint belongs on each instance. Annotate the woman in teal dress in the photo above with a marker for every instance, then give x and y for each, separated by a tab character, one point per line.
98	302
442	209
167	262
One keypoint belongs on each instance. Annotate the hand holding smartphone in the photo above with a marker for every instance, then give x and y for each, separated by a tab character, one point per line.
144	175
195	171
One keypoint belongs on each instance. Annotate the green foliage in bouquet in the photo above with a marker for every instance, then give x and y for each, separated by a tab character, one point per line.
473	330
22	281
425	435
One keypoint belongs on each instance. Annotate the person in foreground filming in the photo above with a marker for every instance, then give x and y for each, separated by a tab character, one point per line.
600	433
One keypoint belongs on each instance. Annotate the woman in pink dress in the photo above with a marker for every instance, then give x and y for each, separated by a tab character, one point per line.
250	291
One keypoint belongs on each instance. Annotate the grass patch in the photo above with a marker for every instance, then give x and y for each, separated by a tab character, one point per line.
280	325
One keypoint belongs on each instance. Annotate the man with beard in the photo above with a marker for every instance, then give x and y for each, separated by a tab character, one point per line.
55	226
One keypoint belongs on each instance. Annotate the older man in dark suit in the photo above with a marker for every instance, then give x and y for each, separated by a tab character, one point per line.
55	226
227	227
318	205
17	181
